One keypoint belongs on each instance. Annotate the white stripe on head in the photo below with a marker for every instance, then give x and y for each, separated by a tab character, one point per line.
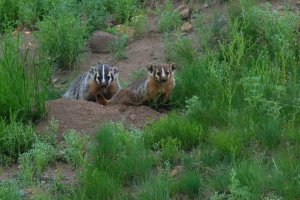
103	74
163	74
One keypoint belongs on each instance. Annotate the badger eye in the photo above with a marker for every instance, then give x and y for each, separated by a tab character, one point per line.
107	77
167	73
158	73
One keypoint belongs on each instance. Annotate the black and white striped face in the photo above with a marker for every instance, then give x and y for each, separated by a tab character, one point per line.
162	72
104	74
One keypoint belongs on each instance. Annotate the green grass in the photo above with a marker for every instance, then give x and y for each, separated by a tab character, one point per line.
234	131
9	191
23	77
61	38
168	20
117	47
15	139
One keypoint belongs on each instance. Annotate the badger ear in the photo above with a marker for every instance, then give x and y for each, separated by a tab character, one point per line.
114	71
172	67
93	70
150	68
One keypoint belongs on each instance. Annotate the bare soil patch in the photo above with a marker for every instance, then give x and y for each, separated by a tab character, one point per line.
87	116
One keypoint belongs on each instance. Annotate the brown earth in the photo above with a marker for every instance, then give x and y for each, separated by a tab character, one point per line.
86	116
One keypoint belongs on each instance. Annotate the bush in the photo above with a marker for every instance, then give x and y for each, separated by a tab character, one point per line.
35	161
157	187
8	14
15	139
32	11
22	77
118	47
74	147
9	191
61	38
189	184
185	131
168	20
119	157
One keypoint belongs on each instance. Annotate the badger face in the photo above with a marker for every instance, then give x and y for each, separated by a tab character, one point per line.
104	74
162	72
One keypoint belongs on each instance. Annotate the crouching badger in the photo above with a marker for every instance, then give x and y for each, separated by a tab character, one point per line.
158	82
100	80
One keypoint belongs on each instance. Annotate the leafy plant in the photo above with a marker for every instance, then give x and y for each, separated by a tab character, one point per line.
24	77
168	20
61	39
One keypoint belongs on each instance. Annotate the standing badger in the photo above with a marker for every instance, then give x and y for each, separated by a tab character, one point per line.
101	80
159	81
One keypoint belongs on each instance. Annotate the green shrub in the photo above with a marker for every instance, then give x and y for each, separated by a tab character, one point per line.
170	149
168	20
119	157
24	77
32	11
118	47
61	38
139	24
98	184
74	147
190	184
15	139
9	191
96	14
8	14
185	131
123	10
157	187
35	161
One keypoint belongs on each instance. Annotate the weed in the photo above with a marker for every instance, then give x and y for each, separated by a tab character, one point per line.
74	147
61	38
168	20
139	24
187	132
8	14
50	132
170	149
189	184
118	47
32	11
157	187
117	157
35	161
9	191
15	138
23	77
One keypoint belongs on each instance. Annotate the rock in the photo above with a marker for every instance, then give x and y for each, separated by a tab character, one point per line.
185	13
55	80
176	170
100	41
27	32
186	27
180	8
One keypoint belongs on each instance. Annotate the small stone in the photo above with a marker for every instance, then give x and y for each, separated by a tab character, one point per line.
100	41
27	33
132	117
186	27
185	13
180	8
43	182
176	170
55	80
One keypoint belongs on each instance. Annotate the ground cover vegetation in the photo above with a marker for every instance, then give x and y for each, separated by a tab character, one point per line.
233	132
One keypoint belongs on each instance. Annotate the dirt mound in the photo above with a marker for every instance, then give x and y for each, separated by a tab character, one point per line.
86	116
